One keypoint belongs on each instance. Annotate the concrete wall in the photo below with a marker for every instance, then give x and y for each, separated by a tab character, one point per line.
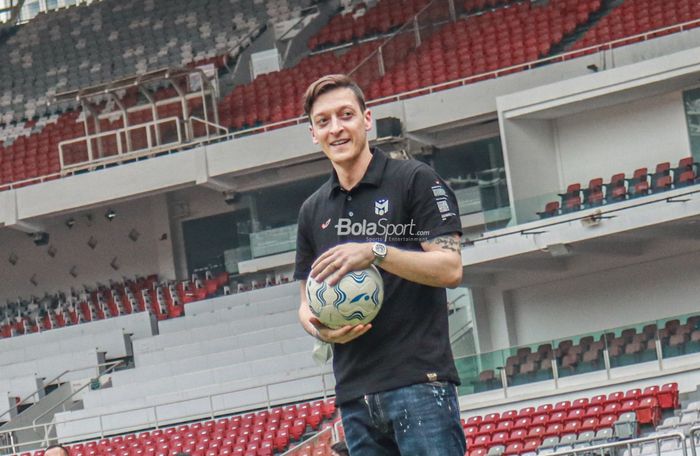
147	255
621	138
607	299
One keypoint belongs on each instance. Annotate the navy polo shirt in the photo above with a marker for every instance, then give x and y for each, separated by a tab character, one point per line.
401	203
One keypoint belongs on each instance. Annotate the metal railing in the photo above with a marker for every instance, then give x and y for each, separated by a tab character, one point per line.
606	449
694	434
157	422
8	436
207	124
120	136
55	380
36	393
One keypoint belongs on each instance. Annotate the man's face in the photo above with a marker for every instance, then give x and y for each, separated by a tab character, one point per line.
339	125
56	452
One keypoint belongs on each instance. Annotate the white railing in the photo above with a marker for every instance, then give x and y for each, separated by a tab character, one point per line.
694	434
122	138
622	445
7	438
158	422
207	124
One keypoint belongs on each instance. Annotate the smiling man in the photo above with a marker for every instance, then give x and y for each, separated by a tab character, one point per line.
395	377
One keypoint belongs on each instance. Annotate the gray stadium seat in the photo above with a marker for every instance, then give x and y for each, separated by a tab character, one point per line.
626	426
602	436
496	450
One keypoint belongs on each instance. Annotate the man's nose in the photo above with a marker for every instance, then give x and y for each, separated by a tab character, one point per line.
336	125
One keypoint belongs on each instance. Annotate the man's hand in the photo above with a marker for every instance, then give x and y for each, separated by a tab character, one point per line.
341	259
341	335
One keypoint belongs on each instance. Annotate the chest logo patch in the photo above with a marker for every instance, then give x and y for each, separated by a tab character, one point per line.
381	206
325	224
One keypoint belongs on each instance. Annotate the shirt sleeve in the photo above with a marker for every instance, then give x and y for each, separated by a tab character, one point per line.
305	252
433	204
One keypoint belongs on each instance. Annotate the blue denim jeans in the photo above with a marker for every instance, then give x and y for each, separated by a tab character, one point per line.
416	420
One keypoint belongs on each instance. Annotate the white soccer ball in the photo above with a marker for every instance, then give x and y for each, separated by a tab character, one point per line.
355	299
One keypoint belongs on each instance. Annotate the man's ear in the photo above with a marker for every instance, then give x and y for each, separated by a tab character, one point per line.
313	133
368	120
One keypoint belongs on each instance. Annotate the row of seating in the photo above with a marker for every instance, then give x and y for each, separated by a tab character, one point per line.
163	299
510	34
566	424
634	17
386	16
92	44
261	433
478	44
527	365
620	188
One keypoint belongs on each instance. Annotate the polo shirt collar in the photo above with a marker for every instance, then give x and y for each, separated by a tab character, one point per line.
373	175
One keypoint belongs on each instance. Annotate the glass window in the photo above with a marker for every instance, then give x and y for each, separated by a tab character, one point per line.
691	100
476	173
207	238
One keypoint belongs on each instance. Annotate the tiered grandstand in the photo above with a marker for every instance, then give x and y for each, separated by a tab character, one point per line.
153	159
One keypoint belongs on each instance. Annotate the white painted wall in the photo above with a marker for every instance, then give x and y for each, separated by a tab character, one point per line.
622	138
147	255
608	299
532	166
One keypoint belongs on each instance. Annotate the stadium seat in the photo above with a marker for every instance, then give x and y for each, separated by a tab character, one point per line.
550	210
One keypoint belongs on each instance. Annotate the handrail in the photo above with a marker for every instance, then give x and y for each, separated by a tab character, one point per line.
119	132
106	372
694	434
626	444
76	369
158	422
22	401
207	123
401	29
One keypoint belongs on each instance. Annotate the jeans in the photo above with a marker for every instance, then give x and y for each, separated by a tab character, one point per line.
416	420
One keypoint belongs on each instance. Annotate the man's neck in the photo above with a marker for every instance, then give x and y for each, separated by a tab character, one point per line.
351	174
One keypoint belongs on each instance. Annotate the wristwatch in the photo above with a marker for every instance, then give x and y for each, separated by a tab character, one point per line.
379	251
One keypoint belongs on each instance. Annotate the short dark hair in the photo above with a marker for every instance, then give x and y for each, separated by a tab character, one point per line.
341	448
326	84
53	447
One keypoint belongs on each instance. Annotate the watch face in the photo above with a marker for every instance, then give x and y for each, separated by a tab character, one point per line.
379	249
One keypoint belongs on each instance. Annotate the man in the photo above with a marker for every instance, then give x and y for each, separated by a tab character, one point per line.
56	450
395	377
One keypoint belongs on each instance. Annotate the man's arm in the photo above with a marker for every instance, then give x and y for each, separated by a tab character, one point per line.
316	329
438	265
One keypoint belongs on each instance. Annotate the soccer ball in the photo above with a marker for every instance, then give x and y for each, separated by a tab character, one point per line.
355	299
